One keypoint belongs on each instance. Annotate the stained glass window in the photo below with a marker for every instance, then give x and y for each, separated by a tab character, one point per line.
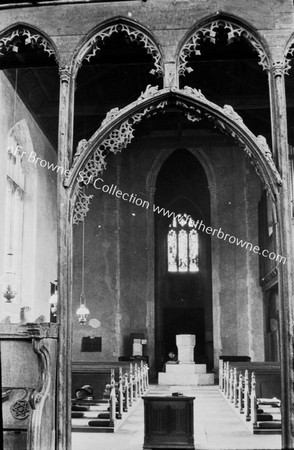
183	245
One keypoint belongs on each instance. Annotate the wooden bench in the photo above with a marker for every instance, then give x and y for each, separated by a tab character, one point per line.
245	384
95	374
124	386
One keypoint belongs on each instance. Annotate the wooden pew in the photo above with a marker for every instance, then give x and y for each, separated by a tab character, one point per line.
121	391
244	384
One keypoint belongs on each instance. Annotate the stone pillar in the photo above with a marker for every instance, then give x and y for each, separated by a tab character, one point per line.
186	344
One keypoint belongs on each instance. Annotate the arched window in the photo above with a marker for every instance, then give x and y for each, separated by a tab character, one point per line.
182	245
15	188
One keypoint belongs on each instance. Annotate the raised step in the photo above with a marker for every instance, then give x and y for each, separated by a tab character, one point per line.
185	369
200	379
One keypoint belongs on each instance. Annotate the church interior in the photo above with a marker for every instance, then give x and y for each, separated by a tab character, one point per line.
146	190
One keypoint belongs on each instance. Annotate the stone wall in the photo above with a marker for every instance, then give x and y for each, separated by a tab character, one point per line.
116	264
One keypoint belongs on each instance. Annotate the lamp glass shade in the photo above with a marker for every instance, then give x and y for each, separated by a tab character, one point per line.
82	313
9	285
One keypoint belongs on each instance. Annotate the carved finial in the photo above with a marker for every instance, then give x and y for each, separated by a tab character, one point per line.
110	116
80	148
230	112
150	91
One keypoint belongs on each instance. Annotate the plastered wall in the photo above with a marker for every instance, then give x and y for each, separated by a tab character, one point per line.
39	252
116	251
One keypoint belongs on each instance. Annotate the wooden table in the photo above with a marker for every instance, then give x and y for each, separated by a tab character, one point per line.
168	422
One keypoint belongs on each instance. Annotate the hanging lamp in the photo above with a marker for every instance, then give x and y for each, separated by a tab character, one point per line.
83	311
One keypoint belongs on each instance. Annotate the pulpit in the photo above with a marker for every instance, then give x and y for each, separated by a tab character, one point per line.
28	360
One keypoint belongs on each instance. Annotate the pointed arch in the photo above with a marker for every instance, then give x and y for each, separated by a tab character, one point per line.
117	131
32	36
89	46
163	156
206	29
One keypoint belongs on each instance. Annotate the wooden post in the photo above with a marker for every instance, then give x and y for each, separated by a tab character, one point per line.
235	393
220	374
112	405
253	407
285	248
224	387
131	385
120	394
112	377
140	380
241	394
246	397
136	382
228	380
64	236
147	376
126	394
231	391
143	377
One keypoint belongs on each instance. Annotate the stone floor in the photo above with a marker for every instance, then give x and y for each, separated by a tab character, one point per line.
216	426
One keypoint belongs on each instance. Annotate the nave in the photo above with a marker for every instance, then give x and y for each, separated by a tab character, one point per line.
216	426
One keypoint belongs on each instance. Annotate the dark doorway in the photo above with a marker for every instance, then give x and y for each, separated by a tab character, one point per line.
183	283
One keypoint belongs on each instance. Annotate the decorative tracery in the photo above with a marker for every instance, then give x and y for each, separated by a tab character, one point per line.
208	32
135	35
11	41
120	137
285	65
116	141
182	245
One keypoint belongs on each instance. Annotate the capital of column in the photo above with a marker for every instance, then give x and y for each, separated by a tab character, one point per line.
64	73
280	68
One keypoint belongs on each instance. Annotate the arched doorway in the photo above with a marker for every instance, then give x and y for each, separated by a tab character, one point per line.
183	297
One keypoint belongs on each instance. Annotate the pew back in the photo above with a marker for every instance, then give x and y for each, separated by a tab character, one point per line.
267	376
95	374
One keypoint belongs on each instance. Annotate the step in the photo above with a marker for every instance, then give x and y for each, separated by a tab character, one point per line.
202	379
185	369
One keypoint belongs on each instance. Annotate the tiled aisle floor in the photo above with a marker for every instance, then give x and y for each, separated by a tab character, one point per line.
216	426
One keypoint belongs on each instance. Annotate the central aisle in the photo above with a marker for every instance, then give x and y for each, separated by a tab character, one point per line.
216	426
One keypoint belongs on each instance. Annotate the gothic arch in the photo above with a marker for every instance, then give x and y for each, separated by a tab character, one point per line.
166	153
33	36
90	44
206	29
